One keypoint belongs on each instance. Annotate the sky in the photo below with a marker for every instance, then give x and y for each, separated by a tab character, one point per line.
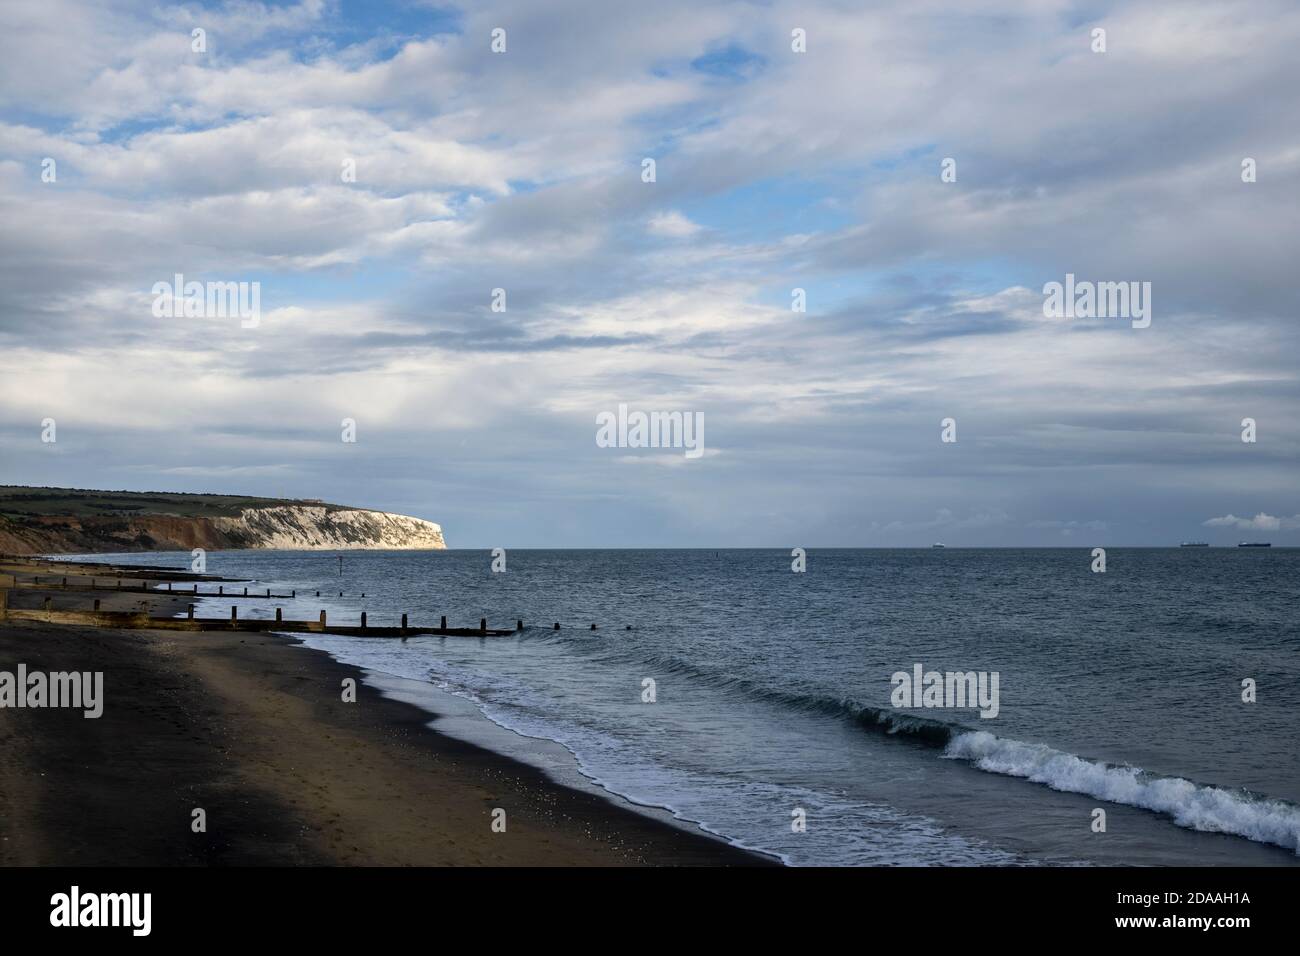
378	170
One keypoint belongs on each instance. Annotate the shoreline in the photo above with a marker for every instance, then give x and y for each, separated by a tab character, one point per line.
252	729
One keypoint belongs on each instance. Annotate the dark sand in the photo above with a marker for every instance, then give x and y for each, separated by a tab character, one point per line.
254	731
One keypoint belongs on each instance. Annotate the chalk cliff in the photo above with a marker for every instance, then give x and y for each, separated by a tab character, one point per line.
315	528
60	521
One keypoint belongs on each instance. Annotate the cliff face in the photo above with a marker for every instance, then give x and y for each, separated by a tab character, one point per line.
304	528
296	527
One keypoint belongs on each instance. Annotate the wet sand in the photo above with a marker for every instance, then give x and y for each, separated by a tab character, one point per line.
254	731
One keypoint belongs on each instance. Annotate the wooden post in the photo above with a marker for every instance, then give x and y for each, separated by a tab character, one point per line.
482	624
293	593
443	625
96	604
557	625
234	611
196	589
519	625
318	594
322	620
268	592
245	592
190	615
363	620
221	589
48	602
403	622
169	587
279	614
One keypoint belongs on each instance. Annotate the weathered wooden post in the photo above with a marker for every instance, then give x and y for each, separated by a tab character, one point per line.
293	593
190	612
279	614
403	622
221	589
519	625
482	624
322	620
557	625
96	605
268	592
363	620
234	611
169	587
443	625
245	592
196	589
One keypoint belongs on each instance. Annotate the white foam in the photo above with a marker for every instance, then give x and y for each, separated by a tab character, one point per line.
1190	805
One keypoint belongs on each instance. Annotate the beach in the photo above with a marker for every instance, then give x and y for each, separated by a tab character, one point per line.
721	703
253	730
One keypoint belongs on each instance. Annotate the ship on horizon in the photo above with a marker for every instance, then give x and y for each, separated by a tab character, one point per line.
1255	544
1195	544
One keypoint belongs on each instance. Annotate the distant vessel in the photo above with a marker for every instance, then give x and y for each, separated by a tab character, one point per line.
937	545
1194	544
1256	544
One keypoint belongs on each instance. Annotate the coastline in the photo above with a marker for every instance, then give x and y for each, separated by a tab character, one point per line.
252	729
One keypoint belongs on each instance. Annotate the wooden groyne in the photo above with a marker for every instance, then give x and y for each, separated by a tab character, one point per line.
140	620
56	583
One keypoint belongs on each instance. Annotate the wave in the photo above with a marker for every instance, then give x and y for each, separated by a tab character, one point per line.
1194	806
926	730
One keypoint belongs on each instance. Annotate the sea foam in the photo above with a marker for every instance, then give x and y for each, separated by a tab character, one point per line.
1191	805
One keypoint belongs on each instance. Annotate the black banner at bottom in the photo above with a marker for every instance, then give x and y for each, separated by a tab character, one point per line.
335	905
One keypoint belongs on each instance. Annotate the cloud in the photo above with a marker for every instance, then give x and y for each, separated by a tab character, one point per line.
671	225
776	171
1261	522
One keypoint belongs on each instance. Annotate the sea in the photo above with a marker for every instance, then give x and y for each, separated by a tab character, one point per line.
1146	715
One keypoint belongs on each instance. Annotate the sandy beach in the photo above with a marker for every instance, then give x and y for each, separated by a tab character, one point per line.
253	730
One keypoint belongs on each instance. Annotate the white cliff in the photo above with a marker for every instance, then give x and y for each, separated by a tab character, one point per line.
317	528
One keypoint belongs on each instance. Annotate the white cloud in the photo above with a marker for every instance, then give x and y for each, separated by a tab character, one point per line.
671	225
1261	522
